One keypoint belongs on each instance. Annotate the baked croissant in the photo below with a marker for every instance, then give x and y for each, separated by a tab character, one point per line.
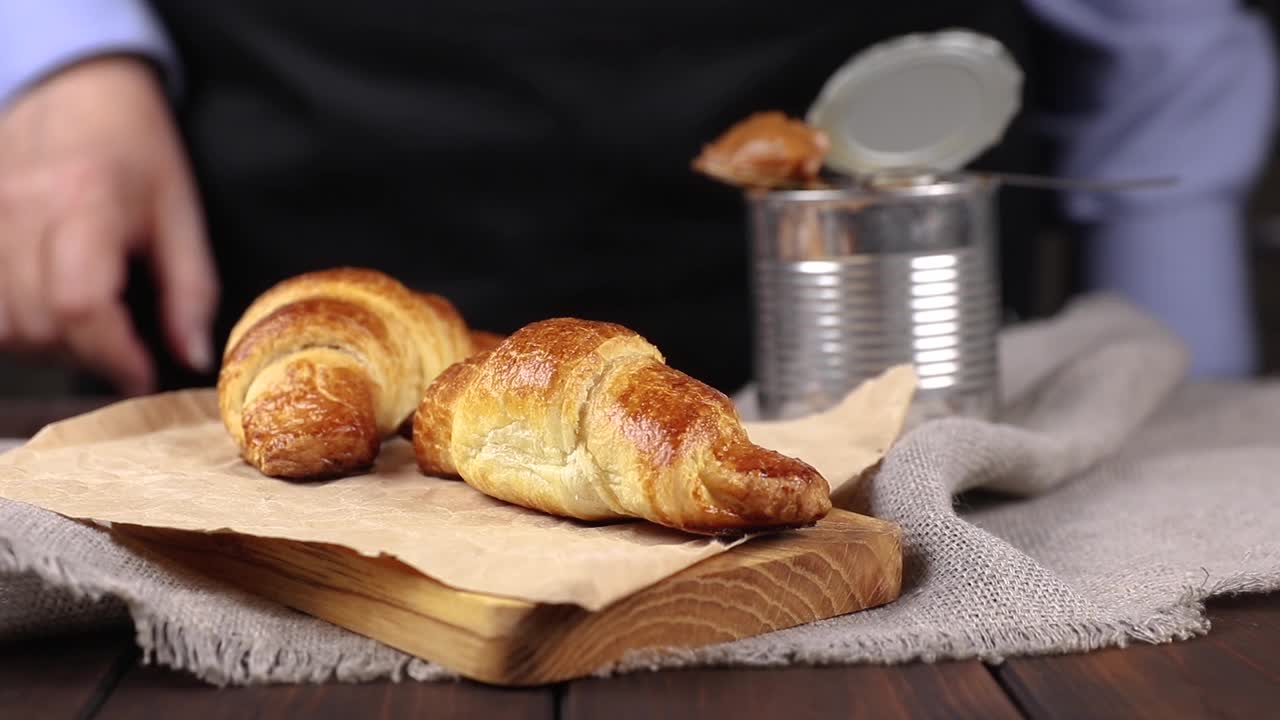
481	340
585	420
324	366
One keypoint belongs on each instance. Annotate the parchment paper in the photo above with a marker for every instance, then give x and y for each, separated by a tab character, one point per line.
166	461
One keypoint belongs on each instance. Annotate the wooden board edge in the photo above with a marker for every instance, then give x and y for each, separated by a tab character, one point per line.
847	563
850	564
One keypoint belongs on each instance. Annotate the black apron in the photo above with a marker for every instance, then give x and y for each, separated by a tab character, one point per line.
525	159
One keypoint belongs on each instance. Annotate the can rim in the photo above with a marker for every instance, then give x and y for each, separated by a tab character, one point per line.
880	188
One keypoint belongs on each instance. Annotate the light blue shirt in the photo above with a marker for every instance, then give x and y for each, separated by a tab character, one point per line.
37	37
1171	87
1166	87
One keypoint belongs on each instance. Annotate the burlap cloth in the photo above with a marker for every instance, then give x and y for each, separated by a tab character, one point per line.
1115	499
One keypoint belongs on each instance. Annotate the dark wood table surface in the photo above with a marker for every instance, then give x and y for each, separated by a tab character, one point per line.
1233	672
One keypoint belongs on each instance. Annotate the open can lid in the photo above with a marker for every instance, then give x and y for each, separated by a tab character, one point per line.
925	101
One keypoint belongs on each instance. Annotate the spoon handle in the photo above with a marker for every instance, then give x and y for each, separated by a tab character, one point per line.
1085	184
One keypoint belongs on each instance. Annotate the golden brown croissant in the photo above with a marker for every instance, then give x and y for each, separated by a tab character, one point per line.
481	340
322	367
584	419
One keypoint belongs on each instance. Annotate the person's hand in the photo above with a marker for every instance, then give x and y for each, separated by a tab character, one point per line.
92	172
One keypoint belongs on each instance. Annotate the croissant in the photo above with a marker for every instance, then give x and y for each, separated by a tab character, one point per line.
323	366
585	420
481	340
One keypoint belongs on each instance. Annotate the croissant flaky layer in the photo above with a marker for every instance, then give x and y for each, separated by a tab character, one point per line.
322	367
584	419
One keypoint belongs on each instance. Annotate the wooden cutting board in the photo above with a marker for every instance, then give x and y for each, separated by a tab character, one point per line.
848	562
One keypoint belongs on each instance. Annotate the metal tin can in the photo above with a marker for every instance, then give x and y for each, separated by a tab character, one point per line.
849	281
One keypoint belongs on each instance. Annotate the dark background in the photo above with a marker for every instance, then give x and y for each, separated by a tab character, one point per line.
1051	279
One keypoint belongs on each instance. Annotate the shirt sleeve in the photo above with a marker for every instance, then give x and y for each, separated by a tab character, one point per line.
1183	88
38	37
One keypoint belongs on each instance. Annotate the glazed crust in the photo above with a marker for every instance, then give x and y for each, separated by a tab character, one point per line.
585	420
323	366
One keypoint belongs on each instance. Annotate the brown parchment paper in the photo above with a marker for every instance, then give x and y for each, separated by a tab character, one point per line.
166	461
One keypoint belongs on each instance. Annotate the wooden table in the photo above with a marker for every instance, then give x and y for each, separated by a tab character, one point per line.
1233	672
